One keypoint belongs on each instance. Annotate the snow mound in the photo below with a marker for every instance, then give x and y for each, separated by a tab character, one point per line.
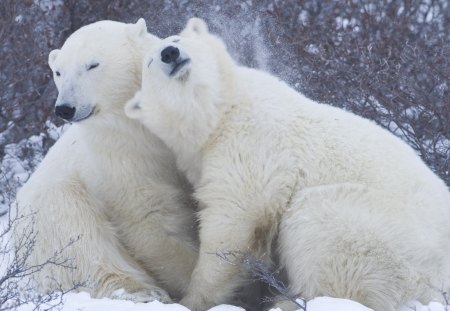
83	301
335	304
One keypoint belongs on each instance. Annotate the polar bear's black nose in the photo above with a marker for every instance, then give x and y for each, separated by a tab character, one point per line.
170	54
64	111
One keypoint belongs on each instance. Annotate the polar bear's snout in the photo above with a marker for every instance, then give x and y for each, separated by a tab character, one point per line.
174	62
65	112
73	113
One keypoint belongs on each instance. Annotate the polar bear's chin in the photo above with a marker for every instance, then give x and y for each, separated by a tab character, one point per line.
180	70
183	76
179	67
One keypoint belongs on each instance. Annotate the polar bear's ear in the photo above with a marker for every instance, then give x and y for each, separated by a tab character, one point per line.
197	25
133	106
52	57
141	27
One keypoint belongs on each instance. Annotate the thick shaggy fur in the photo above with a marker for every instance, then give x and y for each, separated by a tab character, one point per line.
109	180
356	212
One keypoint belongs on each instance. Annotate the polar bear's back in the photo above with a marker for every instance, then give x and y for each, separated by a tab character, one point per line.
338	137
333	146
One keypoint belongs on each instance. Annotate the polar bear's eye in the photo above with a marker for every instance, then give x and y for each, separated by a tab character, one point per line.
58	73
93	65
176	40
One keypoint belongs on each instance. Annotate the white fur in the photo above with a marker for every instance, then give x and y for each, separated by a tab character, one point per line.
109	180
357	213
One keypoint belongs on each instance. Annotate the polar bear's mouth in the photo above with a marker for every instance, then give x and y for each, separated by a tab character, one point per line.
178	66
86	116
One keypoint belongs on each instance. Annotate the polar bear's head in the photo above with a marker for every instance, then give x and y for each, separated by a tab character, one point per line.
184	79
99	68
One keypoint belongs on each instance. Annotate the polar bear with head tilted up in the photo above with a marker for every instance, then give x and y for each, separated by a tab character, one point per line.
108	180
355	212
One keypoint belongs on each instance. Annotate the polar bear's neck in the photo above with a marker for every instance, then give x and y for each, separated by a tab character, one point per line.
187	131
190	128
116	136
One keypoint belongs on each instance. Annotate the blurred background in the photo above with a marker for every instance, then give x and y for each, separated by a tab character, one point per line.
385	60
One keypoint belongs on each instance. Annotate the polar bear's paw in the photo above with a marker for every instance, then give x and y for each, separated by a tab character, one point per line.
160	295
143	296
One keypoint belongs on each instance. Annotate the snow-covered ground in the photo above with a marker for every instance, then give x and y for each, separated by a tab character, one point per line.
82	301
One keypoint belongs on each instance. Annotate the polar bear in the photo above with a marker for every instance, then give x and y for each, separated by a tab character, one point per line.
108	179
353	211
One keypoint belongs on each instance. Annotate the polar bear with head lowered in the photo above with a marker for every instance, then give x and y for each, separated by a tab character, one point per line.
108	180
353	210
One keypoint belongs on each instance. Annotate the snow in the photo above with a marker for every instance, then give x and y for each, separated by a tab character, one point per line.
312	49
47	5
82	301
335	304
19	19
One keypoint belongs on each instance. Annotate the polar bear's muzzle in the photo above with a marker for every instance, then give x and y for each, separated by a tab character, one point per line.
73	114
84	115
175	62
178	66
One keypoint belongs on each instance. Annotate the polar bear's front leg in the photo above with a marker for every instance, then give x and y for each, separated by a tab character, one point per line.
65	211
224	228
